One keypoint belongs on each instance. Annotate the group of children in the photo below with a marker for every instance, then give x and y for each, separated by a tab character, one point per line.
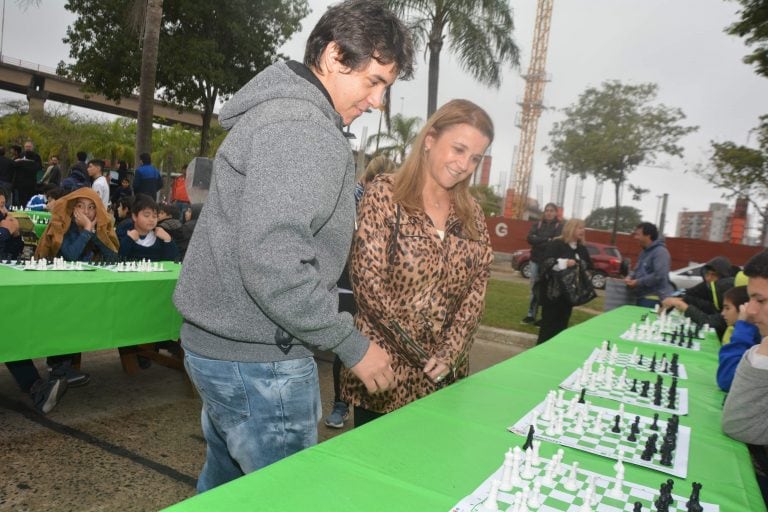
82	229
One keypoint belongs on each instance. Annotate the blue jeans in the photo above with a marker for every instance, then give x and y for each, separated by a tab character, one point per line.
533	304
253	414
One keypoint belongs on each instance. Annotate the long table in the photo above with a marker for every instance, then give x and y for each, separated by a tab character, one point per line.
432	453
59	312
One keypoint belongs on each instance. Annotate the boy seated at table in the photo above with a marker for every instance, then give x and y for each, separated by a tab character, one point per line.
746	408
80	229
168	219
11	243
123	218
146	240
51	196
741	335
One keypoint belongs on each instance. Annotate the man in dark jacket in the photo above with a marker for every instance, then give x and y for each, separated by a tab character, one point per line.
78	174
541	232
147	179
25	177
6	172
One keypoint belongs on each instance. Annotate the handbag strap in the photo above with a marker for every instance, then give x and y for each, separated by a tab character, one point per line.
392	248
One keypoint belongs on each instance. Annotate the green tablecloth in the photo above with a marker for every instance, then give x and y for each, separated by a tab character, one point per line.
432	453
49	313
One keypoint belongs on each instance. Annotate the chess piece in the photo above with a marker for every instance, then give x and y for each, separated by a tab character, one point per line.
491	502
581	397
693	503
616	428
587	505
529	439
534	498
506	473
655	424
528	473
616	491
549	474
572	484
535	444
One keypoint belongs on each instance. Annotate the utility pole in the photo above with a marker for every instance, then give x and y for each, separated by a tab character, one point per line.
663	216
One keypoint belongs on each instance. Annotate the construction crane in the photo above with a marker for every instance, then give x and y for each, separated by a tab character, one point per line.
517	197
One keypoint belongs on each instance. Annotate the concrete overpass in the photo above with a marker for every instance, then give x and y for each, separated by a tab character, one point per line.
39	84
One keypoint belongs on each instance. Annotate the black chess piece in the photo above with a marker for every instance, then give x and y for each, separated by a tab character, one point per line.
636	425
640	361
638	507
581	397
632	437
652	367
529	439
616	428
644	391
690	343
655	424
693	503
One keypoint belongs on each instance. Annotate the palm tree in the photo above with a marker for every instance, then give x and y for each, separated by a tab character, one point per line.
398	139
479	33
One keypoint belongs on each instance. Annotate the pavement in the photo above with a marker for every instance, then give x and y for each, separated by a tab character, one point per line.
133	443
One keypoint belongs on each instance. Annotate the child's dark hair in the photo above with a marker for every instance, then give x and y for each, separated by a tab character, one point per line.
170	209
55	193
142	202
125	202
737	296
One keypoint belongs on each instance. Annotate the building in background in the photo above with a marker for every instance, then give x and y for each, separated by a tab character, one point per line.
718	224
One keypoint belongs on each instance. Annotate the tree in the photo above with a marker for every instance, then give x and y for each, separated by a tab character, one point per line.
489	201
611	131
742	172
207	50
396	142
602	218
150	42
752	27
478	33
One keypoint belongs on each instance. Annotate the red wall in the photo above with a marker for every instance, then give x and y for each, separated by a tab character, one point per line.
508	235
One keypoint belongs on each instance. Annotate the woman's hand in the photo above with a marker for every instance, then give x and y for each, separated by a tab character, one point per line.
570	263
436	370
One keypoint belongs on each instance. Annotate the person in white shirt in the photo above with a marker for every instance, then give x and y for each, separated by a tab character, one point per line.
100	185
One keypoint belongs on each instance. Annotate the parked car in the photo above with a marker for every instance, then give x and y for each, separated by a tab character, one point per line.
606	260
687	277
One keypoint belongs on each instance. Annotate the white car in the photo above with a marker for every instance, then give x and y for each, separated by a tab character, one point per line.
687	277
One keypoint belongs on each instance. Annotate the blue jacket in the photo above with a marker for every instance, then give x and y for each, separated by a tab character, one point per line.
159	251
74	246
652	272
10	246
147	180
78	178
745	336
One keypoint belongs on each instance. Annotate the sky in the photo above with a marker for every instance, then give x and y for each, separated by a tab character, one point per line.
679	45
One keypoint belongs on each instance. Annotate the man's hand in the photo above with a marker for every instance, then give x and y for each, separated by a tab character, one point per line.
11	224
436	370
162	234
133	234
675	302
374	370
631	283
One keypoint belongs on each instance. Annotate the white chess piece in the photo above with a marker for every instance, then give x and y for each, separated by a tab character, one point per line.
587	505
523	506
616	491
571	483
534	419
560	395
534	498
559	424
633	358
517	456
491	502
535	459
558	460
578	427
528	473
549	474
592	381
506	474
614	354
549	407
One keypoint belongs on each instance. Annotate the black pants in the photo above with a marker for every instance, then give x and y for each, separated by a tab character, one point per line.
554	318
363	416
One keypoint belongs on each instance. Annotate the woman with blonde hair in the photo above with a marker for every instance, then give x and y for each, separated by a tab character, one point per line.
420	261
560	254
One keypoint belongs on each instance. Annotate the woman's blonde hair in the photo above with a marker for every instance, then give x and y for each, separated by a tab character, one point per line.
409	180
569	229
378	165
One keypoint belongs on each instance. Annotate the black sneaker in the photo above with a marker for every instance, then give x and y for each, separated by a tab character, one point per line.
528	320
47	393
75	378
537	323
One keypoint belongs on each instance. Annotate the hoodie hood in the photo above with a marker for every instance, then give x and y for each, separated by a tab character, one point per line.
721	265
276	82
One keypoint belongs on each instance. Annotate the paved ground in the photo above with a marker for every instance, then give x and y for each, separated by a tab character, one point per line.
129	443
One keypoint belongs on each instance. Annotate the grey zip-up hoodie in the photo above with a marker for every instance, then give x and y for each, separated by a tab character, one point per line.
275	232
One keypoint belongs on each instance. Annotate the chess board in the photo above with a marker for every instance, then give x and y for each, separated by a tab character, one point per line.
558	499
610	444
626	395
123	267
69	267
657	339
627	360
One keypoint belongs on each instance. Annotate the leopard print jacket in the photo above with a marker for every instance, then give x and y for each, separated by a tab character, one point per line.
417	296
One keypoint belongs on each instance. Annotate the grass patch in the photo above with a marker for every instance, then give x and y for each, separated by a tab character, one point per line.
506	303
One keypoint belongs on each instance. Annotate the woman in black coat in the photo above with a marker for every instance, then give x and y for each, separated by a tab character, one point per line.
563	252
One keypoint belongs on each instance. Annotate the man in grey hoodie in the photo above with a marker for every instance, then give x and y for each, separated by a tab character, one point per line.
650	280
257	289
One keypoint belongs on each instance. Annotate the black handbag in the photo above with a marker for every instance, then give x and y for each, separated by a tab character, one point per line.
574	285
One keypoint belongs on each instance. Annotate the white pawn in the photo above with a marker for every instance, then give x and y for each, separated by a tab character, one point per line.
559	425
506	474
558	459
591	487
517	456
592	381
534	499
549	474
560	394
528	473
523	506
633	358
587	505
597	425
578	427
535	444
614	353
616	491
491	504
549	407
550	431
572	484
621	411
622	382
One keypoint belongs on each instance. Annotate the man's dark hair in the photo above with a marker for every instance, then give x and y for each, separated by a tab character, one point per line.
363	29
97	162
142	202
757	266
82	156
649	229
171	210
55	193
145	158
125	202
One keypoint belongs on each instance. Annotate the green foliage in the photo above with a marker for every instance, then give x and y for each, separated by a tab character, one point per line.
479	34
602	218
207	50
612	130
489	201
396	142
752	28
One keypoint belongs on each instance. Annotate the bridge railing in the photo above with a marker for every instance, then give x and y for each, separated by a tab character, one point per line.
27	65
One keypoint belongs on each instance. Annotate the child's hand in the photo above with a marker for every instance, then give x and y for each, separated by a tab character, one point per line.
133	234
83	221
11	224
162	234
743	313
